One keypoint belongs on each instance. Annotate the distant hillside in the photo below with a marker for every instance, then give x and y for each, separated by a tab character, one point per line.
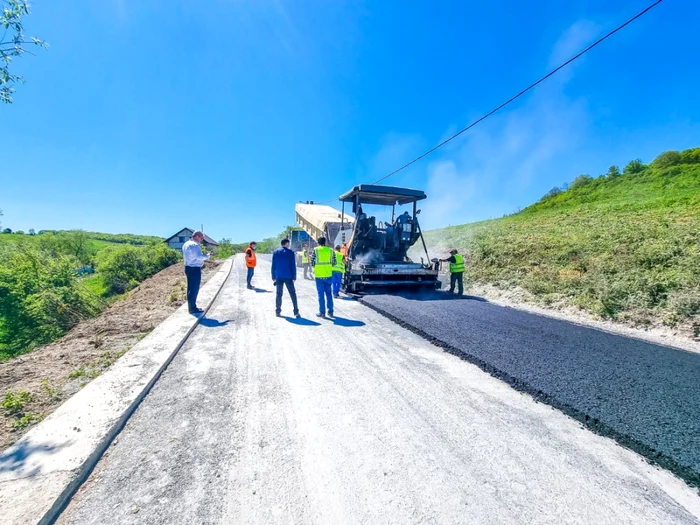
116	238
625	245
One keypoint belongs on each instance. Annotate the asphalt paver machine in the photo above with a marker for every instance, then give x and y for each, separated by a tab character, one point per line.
377	256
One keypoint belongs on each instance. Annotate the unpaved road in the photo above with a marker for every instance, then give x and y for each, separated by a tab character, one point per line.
261	420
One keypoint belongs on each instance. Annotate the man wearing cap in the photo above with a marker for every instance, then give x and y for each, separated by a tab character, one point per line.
194	259
456	271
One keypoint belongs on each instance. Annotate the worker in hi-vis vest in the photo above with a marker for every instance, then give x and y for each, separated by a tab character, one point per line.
338	271
250	262
323	261
305	260
456	271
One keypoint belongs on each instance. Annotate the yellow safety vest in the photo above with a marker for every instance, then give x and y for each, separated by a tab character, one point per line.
323	269
339	264
304	257
458	265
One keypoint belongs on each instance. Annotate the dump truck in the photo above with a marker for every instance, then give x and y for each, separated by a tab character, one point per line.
319	220
377	256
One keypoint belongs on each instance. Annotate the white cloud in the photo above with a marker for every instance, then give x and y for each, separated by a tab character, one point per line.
501	164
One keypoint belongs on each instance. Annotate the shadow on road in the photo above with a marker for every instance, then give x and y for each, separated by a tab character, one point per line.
260	290
440	296
348	323
301	321
213	323
17	456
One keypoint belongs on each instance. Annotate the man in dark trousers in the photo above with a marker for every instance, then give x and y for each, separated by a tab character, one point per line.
456	271
250	263
194	259
284	273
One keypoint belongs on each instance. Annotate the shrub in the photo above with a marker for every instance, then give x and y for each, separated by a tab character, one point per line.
39	297
580	182
124	267
613	172
690	156
226	249
667	159
634	166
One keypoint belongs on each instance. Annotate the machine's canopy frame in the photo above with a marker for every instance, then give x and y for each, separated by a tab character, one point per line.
382	195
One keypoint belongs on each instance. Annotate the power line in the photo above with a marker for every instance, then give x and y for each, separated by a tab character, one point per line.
594	44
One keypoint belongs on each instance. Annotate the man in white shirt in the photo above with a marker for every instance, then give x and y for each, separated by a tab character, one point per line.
194	259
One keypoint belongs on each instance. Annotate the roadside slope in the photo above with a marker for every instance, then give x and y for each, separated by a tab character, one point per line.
625	247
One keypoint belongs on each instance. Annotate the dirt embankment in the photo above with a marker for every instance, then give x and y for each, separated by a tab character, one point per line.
40	381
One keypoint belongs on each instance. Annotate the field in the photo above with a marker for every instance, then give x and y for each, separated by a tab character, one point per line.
624	246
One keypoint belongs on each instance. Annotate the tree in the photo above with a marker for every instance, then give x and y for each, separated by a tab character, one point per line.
19	232
31	231
551	193
635	166
581	181
7	230
13	44
666	159
613	172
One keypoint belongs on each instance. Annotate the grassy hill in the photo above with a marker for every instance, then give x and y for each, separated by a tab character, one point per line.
624	245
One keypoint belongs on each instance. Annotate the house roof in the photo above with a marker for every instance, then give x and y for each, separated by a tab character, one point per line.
190	231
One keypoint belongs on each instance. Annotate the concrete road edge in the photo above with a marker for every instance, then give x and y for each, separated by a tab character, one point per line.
43	469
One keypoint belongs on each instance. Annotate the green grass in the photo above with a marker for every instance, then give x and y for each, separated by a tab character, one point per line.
14	402
623	247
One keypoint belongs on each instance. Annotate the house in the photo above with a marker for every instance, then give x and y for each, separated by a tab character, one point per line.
176	241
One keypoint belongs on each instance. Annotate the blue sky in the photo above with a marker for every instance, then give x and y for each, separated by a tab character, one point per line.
145	116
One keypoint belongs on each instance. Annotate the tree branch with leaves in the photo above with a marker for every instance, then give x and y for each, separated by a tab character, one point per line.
13	44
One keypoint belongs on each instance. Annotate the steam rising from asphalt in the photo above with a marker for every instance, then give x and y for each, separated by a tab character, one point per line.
371	257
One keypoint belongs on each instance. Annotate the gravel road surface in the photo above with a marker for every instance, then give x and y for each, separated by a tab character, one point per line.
644	395
265	420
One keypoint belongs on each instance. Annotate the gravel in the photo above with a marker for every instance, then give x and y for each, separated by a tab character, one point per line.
646	396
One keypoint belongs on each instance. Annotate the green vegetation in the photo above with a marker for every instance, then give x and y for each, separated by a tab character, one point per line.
14	402
13	44
47	284
94	368
625	245
26	420
226	249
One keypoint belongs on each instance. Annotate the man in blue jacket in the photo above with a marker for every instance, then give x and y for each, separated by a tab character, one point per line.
284	273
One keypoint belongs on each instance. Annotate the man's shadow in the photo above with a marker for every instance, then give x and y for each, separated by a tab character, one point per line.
213	323
260	290
348	323
300	321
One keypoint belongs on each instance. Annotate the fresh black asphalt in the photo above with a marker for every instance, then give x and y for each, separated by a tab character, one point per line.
646	396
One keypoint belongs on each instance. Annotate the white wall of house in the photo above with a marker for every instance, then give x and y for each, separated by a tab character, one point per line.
180	238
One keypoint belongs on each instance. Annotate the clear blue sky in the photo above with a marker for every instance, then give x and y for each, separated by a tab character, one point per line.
146	116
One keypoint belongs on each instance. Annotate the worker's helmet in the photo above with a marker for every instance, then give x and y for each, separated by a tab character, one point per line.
453	251
337	247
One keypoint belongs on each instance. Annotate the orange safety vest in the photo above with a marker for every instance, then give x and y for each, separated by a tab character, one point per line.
250	259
